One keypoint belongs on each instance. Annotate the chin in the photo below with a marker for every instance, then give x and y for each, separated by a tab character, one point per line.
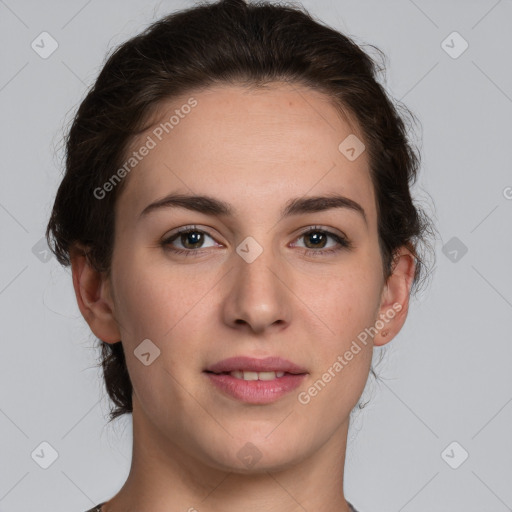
255	453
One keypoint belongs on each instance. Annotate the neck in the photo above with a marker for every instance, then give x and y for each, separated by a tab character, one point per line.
164	476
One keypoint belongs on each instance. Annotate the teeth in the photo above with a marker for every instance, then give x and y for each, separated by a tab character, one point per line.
247	375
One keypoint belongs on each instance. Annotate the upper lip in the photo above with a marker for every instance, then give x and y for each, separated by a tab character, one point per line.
268	364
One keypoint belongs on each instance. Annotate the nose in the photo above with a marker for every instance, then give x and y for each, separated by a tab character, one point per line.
257	297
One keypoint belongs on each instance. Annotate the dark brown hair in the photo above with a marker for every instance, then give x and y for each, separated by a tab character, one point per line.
222	43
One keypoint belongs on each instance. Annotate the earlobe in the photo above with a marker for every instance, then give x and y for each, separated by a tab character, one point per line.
395	297
92	291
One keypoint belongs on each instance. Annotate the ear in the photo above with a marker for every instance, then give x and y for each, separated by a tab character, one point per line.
93	294
395	297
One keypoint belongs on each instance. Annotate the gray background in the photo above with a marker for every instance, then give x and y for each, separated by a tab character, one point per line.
446	376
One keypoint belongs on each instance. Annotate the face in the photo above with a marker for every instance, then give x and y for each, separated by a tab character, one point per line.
248	280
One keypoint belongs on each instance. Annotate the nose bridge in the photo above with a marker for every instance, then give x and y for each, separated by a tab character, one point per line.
257	295
253	265
254	268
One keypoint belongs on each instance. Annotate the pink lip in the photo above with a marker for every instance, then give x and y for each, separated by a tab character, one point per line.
256	391
268	364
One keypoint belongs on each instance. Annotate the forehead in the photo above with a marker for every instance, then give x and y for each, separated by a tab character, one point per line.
248	147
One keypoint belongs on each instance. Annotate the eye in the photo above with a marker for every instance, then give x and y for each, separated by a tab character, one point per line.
190	238
316	238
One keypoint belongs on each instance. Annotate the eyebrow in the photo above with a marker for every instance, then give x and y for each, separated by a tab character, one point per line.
212	206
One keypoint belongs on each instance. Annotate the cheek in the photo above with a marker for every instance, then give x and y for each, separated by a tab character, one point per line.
142	307
346	301
153	303
151	298
343	349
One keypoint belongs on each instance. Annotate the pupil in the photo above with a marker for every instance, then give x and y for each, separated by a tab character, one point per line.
317	237
194	235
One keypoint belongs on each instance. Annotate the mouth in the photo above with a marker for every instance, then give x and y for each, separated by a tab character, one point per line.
255	381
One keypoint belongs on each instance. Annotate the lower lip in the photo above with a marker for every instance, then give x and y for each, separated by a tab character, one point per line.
256	391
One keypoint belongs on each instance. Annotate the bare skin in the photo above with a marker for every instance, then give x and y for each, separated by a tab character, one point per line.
255	151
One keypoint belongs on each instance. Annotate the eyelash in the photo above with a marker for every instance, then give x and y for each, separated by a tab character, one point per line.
343	242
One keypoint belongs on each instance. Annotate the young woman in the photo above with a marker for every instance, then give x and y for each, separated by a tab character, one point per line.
237	214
